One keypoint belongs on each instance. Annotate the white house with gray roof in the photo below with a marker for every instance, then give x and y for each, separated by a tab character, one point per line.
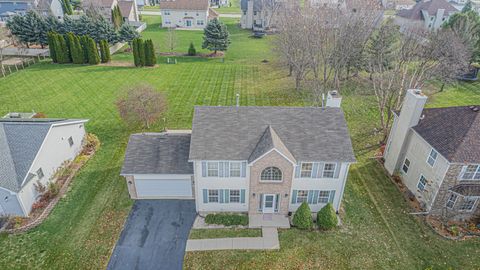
31	151
256	160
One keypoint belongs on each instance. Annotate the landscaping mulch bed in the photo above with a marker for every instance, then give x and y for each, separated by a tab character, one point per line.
42	208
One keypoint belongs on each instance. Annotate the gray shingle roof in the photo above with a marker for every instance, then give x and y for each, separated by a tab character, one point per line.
20	141
453	131
267	142
157	153
430	6
232	133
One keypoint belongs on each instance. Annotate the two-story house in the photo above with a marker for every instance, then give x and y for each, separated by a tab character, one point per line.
259	15
9	8
128	8
186	13
253	160
31	152
426	14
436	152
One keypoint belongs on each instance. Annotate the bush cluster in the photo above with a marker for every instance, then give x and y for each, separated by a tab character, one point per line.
226	219
326	217
143	53
71	48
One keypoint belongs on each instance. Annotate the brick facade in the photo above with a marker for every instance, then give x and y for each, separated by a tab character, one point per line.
451	179
283	188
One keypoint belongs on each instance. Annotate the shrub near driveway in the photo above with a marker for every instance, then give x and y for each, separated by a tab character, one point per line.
227	219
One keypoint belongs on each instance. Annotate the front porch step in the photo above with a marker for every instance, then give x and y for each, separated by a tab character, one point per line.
268	221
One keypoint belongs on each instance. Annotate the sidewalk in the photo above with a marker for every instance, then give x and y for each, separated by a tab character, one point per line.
269	240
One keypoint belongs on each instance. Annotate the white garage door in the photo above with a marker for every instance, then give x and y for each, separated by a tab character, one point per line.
163	188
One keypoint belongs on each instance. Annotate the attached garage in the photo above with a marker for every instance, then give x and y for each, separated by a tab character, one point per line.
156	166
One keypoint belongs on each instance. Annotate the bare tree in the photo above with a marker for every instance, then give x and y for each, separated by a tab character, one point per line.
397	62
142	104
270	10
171	39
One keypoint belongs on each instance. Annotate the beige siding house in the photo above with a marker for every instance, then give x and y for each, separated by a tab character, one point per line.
193	14
255	160
436	152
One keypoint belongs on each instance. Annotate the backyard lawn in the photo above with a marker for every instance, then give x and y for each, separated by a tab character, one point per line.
84	226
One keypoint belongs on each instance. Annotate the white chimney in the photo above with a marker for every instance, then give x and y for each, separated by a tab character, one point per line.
333	99
410	115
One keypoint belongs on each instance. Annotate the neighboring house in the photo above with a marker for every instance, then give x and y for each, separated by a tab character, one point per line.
9	8
436	152
259	15
186	13
400	4
32	150
255	160
128	8
429	15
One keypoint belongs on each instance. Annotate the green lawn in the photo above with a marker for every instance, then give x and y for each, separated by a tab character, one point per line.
233	8
224	233
82	229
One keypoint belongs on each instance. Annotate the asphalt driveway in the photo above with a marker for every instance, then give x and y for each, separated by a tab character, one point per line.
154	236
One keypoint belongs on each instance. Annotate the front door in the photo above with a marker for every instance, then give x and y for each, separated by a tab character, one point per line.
268	203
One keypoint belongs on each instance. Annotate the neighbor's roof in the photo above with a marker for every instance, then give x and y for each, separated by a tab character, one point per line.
184	4
467	189
233	133
97	3
454	132
20	141
125	7
430	6
157	153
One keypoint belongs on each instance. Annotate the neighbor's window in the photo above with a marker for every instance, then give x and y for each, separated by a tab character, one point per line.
451	200
306	170
422	182
467	204
323	196
235	168
70	141
406	165
472	172
271	174
167	12
234	195
213	195
199	22
212	169
40	173
302	196
432	157
329	170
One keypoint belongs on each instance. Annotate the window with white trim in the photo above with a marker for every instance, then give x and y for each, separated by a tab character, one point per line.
271	174
406	165
306	170
235	169
472	172
212	169
451	200
40	174
467	204
432	157
422	183
234	195
213	195
166	12
329	170
302	196
323	196
200	22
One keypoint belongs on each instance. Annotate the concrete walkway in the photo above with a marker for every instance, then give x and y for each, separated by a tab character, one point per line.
269	240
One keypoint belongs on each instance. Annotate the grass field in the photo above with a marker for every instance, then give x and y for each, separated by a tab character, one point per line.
232	8
82	229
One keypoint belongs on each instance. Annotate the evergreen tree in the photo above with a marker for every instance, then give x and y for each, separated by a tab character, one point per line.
93	57
216	36
127	33
67	7
136	58
51	46
302	219
61	49
191	50
29	29
76	50
70	39
102	29
327	218
150	58
117	17
467	7
104	51
84	41
141	52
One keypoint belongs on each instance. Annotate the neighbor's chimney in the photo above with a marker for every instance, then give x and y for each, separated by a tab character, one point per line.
410	115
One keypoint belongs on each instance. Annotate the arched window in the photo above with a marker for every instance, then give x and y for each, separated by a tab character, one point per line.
271	174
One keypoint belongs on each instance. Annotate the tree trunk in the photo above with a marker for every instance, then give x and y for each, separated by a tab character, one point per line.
441	88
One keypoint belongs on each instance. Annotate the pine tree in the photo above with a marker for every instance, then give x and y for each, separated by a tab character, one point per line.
191	50
150	58
70	39
77	51
102	29
67	7
61	49
93	57
51	46
117	17
127	33
29	29
216	36
104	51
141	52
84	41
136	58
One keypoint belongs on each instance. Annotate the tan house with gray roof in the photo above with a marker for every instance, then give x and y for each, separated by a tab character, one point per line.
193	14
436	152
255	160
